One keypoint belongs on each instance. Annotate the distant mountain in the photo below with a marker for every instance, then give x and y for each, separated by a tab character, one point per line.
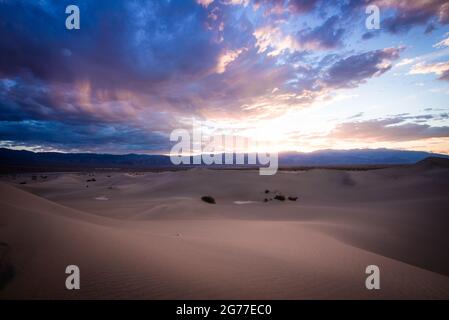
434	162
51	160
355	157
21	158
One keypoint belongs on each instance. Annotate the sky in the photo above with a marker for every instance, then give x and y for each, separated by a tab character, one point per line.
302	75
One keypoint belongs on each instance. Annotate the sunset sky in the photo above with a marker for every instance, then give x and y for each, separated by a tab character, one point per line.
306	75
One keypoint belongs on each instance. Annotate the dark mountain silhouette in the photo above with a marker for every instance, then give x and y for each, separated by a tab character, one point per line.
434	162
356	157
55	160
10	157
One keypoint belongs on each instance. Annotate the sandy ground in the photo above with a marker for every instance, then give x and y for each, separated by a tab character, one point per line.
149	235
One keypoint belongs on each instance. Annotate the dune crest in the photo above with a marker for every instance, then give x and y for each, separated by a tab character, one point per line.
146	243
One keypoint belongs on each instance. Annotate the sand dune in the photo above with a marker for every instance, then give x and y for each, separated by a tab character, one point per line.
155	238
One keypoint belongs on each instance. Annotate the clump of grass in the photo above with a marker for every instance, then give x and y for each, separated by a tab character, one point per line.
280	197
208	199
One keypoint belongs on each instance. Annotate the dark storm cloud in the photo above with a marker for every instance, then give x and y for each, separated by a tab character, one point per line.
120	43
118	62
415	13
402	15
116	138
326	36
302	5
353	70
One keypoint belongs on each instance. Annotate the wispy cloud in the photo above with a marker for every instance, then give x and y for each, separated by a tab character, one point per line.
439	68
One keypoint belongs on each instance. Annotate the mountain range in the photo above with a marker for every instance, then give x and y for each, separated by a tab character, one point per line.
10	159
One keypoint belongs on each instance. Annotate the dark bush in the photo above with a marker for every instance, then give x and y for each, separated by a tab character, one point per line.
208	199
280	197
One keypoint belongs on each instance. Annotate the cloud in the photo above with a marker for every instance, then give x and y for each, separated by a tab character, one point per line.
400	16
294	6
226	58
139	48
302	6
442	43
118	138
405	62
408	14
236	2
326	36
439	68
204	3
389	129
143	67
271	40
369	35
357	115
355	69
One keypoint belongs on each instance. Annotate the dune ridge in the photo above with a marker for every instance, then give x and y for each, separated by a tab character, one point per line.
154	237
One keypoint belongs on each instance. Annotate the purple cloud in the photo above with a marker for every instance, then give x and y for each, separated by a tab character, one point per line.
355	69
390	129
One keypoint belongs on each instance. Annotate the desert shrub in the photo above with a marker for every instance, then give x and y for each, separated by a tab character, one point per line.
208	199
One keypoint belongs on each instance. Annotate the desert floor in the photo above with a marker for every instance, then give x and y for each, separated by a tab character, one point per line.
149	235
